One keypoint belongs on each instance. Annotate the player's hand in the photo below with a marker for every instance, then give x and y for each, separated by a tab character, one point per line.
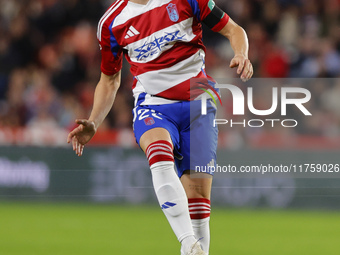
81	135
244	67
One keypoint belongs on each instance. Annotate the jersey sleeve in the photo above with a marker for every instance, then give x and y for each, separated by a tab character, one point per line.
207	12
112	54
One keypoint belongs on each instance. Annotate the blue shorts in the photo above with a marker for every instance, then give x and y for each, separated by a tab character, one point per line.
193	135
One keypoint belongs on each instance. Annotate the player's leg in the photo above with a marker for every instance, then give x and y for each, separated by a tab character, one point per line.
198	147
158	147
198	189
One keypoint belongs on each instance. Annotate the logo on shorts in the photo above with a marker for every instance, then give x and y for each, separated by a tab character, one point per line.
149	121
173	13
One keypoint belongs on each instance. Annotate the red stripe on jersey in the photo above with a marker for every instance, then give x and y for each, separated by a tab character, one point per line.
183	90
179	52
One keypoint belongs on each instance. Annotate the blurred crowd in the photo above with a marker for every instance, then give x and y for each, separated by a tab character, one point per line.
50	59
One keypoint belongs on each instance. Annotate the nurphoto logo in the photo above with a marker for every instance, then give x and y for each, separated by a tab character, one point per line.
287	96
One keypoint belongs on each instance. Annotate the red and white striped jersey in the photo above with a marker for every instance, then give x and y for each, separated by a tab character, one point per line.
161	40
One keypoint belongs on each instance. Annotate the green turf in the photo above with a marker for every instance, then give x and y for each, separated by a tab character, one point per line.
59	229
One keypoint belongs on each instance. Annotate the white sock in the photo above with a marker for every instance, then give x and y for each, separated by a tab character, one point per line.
200	216
202	232
173	200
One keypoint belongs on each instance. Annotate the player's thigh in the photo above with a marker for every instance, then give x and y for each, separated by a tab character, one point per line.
197	185
154	135
153	123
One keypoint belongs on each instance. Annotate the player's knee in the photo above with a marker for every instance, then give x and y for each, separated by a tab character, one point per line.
159	151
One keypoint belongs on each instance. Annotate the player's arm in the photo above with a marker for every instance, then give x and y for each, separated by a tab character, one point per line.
104	97
218	21
239	43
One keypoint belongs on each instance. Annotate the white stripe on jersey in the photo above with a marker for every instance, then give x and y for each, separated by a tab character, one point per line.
106	16
150	100
151	47
161	80
133	10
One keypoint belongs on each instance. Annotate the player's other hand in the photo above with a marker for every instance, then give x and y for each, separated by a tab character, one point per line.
244	67
81	135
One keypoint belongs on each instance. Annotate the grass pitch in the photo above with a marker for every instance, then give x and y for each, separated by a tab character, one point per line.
74	229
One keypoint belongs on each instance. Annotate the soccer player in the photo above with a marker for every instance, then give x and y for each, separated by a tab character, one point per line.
162	40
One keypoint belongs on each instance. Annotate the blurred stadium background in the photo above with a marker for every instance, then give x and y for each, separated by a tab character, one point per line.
52	202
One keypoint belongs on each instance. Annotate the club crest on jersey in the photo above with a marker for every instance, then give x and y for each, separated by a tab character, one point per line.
173	13
149	121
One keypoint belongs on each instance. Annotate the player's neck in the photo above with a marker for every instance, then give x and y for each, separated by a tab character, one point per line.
144	2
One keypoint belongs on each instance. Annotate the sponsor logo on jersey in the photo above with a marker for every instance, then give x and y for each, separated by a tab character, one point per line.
149	49
173	12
